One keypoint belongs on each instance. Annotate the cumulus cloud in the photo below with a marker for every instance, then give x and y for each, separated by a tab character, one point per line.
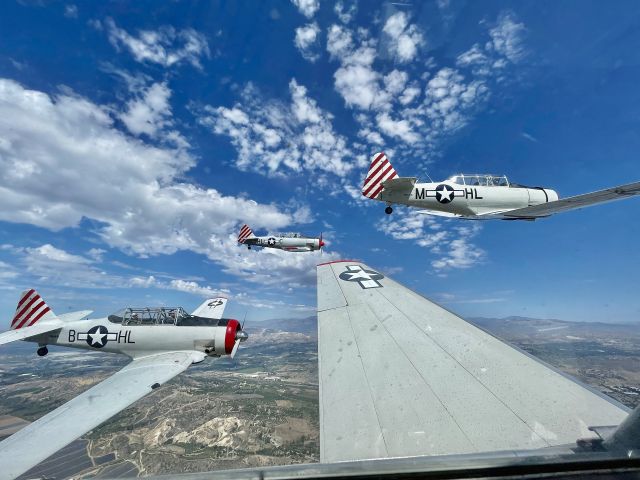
150	112
307	40
62	159
308	8
165	46
403	39
281	137
451	247
410	111
345	14
507	38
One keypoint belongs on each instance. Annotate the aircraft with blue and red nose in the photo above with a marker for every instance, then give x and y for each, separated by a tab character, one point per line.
289	242
161	342
477	196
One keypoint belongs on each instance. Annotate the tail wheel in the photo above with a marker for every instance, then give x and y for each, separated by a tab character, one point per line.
388	210
42	351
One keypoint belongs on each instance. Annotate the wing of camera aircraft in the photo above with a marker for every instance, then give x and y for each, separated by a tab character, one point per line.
569	203
401	376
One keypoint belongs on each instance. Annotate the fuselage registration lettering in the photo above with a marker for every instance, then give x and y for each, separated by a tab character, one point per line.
469	193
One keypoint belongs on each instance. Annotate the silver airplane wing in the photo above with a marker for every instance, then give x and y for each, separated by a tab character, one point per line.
570	203
211	308
40	439
401	376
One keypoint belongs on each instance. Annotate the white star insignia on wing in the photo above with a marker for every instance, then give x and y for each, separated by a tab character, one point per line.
361	275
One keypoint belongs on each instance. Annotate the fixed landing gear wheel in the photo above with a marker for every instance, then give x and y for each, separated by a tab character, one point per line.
42	351
249	247
388	210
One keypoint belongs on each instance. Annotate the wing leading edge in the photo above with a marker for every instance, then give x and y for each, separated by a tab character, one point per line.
42	438
401	376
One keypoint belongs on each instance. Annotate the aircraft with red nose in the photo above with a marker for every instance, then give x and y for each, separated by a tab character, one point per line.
161	342
289	242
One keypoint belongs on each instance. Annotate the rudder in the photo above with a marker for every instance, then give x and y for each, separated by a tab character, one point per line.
31	309
245	233
380	170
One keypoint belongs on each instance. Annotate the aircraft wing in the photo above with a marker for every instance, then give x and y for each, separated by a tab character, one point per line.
47	435
572	203
211	308
401	376
26	332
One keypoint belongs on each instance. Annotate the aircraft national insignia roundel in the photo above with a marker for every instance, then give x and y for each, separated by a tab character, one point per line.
444	193
97	336
366	278
271	241
215	303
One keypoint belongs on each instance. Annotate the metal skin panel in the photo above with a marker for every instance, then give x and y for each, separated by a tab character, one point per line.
42	438
437	384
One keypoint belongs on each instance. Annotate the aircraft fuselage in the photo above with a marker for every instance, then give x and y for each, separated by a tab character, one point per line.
468	200
135	340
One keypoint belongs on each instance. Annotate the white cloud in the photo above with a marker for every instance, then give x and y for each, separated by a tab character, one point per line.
62	160
345	14
507	38
308	8
71	11
451	247
165	46
52	253
306	40
403	39
281	138
150	112
397	128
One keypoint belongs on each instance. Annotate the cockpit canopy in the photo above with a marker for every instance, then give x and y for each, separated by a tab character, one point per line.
484	180
287	234
162	316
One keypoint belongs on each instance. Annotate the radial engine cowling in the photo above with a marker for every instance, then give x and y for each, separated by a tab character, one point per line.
230	335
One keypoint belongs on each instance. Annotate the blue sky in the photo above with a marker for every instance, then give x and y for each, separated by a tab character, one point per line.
135	139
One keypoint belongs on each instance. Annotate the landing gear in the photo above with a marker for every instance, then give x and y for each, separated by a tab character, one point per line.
249	247
388	210
42	351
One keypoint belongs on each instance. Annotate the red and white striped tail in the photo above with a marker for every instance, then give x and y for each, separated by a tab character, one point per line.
245	232
31	308
379	171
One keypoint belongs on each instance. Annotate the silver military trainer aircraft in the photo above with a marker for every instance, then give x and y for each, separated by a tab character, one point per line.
477	197
290	242
162	342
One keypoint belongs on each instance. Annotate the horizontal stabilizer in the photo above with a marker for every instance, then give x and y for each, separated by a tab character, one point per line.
26	332
73	316
399	184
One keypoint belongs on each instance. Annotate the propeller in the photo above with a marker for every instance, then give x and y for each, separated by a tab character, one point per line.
320	244
241	336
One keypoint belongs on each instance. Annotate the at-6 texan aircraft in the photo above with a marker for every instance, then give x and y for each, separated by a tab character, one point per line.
289	242
477	197
162	343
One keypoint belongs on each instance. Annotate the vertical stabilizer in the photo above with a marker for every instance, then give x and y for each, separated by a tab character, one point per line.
245	234
30	310
379	171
